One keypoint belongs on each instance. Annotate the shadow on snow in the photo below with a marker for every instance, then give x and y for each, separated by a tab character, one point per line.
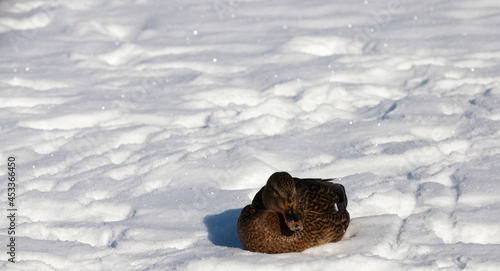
222	228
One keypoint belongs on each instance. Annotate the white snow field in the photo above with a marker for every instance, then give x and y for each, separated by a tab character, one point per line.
140	129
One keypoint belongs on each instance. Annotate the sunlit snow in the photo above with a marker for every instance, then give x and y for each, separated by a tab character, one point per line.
141	128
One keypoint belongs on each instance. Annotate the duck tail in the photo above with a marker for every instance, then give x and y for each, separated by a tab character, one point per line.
340	191
341	206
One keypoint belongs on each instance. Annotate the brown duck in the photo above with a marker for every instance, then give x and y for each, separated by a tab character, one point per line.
291	214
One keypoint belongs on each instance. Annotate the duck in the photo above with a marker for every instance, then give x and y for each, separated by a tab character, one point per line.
290	214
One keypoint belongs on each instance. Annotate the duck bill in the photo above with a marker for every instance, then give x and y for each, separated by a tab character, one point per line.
292	220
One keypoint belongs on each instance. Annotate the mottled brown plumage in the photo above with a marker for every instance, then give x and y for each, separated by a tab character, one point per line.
267	225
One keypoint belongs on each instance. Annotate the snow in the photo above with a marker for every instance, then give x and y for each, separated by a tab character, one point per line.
141	128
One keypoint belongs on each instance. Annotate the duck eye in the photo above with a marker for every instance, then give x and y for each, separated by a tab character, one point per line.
275	192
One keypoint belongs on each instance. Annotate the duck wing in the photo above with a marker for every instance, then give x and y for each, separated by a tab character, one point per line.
333	193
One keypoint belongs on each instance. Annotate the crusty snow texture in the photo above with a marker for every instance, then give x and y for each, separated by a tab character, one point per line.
141	128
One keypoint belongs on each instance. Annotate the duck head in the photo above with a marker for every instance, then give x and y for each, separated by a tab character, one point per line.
279	195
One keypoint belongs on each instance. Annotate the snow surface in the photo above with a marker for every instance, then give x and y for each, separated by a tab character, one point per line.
142	128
